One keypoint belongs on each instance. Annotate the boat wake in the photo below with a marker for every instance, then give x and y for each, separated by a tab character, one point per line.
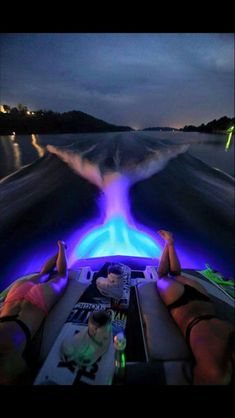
116	182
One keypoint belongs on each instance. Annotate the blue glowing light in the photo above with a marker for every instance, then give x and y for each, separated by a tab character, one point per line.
116	237
117	234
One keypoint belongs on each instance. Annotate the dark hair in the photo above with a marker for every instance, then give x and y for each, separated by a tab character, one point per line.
115	268
100	318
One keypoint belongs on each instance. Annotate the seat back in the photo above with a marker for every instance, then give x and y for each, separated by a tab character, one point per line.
163	338
46	335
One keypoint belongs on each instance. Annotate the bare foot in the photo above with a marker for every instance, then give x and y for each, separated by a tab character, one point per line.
166	235
63	244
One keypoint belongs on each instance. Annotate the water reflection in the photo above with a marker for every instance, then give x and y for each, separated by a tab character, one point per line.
35	144
16	152
10	155
210	148
17	155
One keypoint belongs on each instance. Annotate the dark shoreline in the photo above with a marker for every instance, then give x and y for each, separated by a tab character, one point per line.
48	122
25	122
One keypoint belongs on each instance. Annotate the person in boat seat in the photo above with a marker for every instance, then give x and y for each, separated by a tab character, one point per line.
112	285
211	340
27	303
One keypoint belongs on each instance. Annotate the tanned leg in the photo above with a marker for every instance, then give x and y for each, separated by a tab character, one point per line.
49	265
45	271
54	288
60	280
174	263
164	263
175	267
61	262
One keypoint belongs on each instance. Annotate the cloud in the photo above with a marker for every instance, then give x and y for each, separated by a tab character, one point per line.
147	79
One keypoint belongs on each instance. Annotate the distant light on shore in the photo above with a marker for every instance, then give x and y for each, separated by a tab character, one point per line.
136	128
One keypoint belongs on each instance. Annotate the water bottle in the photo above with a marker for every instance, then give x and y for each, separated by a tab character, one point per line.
120	359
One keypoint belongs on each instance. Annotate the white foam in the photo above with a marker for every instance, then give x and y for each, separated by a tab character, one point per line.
101	176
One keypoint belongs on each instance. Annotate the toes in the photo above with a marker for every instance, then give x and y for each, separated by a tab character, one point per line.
63	243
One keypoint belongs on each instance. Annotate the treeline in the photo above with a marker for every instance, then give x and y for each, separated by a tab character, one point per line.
23	121
216	125
160	128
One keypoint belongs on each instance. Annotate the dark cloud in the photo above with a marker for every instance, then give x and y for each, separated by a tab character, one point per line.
132	79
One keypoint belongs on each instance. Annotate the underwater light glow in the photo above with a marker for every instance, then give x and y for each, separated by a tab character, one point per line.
116	237
118	234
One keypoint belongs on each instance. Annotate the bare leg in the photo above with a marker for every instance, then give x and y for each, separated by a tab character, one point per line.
174	264
40	277
58	260
164	264
61	262
54	288
49	265
59	281
45	271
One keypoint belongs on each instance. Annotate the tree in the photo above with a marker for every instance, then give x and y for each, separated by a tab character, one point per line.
6	108
22	108
14	111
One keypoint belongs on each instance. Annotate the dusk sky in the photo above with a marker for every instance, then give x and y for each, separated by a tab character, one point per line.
135	79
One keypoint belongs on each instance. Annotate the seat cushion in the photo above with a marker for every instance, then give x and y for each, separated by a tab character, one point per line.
52	325
163	338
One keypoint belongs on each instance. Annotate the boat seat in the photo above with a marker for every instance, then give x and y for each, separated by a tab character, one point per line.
163	337
164	341
46	335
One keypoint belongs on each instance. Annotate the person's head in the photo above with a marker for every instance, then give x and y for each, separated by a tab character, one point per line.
115	274
99	324
115	269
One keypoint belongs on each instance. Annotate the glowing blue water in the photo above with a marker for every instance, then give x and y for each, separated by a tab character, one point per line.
118	234
116	237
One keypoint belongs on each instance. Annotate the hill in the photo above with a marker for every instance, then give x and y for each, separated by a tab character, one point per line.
45	122
160	128
215	126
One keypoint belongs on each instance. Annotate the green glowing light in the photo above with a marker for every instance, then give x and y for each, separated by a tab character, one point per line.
231	129
230	134
216	277
123	360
